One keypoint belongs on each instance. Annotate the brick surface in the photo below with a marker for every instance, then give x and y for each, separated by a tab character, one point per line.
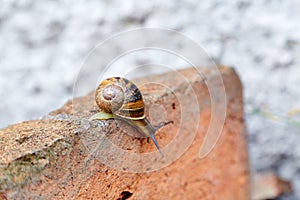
64	156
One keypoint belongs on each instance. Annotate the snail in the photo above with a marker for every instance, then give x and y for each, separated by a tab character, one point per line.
121	99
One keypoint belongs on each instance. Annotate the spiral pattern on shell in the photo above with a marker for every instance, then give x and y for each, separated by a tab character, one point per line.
121	97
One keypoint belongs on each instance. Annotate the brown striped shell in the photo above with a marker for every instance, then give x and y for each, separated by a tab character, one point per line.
121	97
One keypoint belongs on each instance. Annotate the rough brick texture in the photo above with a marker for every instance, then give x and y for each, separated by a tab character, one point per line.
60	156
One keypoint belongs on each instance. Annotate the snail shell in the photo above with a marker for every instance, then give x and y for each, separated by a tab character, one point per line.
121	97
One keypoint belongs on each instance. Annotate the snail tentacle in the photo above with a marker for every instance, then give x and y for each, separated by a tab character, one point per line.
162	124
148	130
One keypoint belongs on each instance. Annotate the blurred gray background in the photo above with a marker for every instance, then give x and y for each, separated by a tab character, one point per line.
43	45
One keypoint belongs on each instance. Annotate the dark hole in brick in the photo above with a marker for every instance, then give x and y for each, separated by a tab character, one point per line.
125	195
173	106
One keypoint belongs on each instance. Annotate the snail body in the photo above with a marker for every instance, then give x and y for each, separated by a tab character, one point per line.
120	98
